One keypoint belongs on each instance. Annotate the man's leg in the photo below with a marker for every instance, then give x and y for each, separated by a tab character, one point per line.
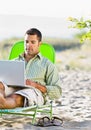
2	89
12	101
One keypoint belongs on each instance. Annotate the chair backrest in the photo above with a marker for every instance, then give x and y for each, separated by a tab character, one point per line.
46	50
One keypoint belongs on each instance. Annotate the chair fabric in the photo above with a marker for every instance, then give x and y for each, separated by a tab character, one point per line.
46	50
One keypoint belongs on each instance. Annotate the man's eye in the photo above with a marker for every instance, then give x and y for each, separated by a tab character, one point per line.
26	41
33	42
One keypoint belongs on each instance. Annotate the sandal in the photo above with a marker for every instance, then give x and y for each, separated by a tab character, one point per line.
46	121
57	121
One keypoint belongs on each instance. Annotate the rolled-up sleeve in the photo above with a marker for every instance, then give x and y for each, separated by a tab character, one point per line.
53	85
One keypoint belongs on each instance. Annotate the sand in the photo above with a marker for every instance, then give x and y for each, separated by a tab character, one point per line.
74	107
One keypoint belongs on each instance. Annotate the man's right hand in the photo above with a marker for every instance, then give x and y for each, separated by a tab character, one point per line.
36	85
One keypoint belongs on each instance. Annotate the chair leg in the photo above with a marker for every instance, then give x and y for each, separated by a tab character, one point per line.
51	111
34	116
36	110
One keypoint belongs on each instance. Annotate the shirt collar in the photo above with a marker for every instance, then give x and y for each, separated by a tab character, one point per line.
39	55
21	56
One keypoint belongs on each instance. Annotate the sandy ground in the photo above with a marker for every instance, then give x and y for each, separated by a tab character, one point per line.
74	107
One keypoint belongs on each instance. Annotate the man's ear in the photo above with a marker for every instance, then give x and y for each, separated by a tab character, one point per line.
40	43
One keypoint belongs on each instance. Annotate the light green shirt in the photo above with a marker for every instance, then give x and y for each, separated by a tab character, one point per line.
43	71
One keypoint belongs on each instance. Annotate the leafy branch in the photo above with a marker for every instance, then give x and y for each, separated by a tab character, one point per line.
82	24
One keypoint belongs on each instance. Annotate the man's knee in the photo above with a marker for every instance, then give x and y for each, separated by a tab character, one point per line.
2	86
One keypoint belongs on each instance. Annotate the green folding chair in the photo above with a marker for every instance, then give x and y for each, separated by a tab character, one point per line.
46	50
30	111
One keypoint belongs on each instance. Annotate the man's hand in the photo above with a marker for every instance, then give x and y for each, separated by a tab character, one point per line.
30	82
36	85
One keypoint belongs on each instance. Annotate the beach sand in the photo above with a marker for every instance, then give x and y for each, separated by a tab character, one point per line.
74	107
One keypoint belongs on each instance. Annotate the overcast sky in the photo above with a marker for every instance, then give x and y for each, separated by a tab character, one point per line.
49	8
51	12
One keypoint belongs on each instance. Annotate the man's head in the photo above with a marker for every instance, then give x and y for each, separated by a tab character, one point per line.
33	38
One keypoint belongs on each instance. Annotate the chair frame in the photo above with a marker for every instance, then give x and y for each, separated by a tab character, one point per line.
29	111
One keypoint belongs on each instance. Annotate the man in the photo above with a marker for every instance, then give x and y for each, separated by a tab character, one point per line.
41	76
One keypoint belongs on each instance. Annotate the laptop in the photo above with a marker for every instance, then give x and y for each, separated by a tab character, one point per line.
12	73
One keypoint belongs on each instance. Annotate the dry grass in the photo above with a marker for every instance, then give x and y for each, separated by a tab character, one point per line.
75	58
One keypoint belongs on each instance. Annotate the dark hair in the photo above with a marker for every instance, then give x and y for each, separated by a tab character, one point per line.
34	31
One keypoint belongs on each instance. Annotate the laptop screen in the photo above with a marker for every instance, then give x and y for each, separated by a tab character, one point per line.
12	72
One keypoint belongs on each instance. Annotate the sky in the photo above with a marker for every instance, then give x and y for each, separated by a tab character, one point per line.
49	8
52	10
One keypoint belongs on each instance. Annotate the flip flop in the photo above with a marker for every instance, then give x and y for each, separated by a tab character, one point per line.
46	121
57	121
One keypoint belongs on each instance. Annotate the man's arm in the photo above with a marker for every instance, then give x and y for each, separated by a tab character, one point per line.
36	85
53	84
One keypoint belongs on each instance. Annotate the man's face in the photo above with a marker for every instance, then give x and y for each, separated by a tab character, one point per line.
31	44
